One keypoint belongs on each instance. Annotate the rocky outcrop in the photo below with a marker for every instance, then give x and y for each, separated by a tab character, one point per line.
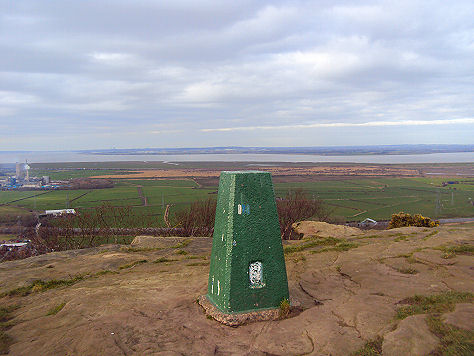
141	299
462	317
323	229
411	338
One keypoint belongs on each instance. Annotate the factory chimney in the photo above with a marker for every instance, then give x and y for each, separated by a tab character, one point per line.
18	170
27	169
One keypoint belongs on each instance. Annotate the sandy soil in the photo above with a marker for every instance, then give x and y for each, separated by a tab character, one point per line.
344	298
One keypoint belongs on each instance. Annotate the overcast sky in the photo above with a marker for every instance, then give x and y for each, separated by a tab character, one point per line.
142	73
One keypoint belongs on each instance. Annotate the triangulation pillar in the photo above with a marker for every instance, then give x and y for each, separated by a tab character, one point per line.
247	277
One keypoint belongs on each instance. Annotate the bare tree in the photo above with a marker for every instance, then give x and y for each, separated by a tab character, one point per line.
198	219
296	206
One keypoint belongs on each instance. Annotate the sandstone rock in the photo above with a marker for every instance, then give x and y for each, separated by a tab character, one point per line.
155	242
462	316
433	257
371	315
407	230
323	229
347	297
412	337
316	331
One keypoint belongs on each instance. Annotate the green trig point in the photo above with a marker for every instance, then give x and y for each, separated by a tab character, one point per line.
247	277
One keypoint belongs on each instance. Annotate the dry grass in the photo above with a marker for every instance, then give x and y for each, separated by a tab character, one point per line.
5	324
371	348
309	243
453	341
56	309
284	308
407	270
439	303
133	264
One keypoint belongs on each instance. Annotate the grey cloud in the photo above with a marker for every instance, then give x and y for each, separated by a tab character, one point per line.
99	67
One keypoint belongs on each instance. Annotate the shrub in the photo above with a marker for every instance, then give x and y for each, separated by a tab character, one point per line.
296	206
88	228
90	183
403	219
197	219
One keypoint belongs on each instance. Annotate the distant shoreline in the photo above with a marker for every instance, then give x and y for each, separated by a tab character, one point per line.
262	153
58	157
388	150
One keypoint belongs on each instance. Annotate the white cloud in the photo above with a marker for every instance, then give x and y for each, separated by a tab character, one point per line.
226	67
15	98
109	57
159	132
268	21
346	124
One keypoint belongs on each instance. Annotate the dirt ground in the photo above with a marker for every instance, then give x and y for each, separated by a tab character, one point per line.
141	299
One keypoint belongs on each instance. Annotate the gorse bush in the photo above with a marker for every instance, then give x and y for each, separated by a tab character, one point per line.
403	219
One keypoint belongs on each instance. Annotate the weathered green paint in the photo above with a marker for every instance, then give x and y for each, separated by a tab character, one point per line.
243	236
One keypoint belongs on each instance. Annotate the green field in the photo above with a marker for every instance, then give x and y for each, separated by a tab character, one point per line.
353	199
6	237
9	197
155	196
378	198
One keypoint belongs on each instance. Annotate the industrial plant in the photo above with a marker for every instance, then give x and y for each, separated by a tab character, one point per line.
22	180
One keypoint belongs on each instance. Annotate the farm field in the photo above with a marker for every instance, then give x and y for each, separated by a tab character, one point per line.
357	199
148	198
353	199
6	237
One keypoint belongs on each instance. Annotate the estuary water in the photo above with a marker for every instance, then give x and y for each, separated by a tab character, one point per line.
71	156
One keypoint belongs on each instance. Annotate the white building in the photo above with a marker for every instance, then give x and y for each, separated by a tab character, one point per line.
367	223
60	212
